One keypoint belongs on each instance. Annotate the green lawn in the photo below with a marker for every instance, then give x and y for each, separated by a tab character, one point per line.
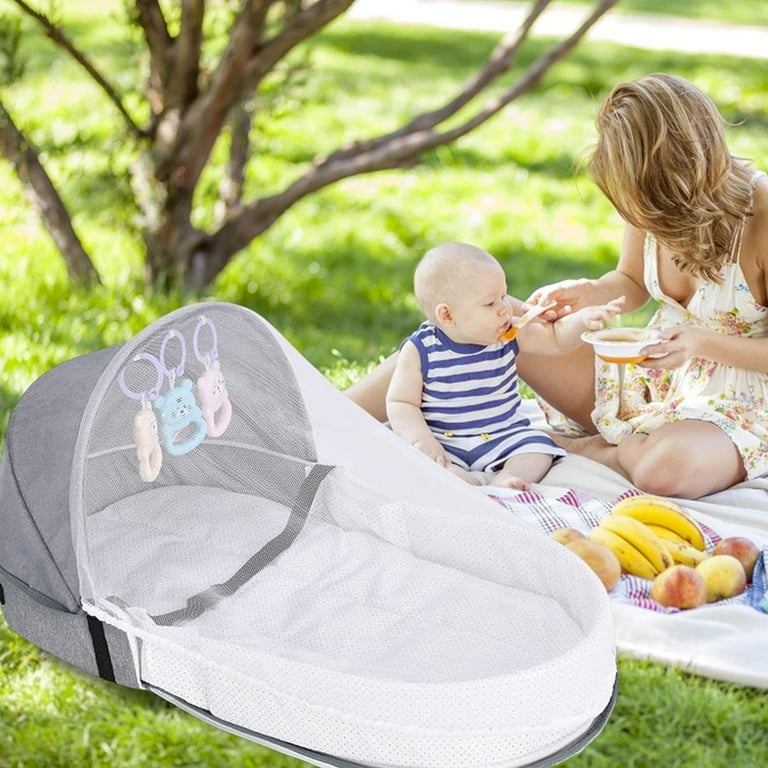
752	12
334	277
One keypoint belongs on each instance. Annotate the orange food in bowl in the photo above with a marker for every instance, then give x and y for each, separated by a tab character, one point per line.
620	345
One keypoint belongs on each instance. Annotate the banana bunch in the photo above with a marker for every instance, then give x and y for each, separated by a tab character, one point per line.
683	553
639	550
664	517
649	534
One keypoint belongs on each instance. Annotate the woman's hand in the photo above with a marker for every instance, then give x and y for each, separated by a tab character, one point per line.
573	295
676	346
567	295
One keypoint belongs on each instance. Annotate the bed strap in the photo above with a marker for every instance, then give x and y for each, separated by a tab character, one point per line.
101	649
208	598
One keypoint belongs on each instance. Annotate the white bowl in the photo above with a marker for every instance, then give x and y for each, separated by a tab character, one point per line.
620	345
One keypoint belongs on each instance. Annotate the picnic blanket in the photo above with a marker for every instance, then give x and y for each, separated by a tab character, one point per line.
727	640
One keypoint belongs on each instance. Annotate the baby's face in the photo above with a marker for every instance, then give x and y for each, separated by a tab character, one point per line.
481	313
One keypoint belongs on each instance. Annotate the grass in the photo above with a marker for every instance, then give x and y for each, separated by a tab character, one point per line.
753	14
334	276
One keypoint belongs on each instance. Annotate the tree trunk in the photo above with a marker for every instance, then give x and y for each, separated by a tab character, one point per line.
191	104
173	256
45	200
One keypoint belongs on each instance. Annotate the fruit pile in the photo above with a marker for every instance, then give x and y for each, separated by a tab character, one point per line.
654	538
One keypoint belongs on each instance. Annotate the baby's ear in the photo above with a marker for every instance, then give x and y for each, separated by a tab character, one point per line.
443	314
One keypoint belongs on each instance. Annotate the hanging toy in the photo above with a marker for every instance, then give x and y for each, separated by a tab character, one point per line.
145	431
211	386
182	427
148	451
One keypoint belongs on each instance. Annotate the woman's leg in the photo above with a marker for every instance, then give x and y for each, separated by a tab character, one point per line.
687	459
370	393
566	382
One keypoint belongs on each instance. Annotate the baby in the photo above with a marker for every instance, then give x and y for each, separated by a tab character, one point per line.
454	394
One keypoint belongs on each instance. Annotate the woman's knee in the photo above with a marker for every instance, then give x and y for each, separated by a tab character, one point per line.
662	474
666	466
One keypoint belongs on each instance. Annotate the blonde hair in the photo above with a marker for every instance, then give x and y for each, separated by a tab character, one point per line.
443	272
662	160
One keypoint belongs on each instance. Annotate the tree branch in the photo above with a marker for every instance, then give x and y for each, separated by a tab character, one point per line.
299	27
59	37
403	145
45	200
233	176
240	69
187	50
223	88
499	62
158	41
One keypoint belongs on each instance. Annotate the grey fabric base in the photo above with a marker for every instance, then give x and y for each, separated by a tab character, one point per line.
67	635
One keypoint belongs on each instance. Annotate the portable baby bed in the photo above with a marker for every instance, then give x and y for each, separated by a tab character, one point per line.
198	512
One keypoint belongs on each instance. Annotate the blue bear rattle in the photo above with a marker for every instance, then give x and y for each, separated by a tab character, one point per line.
182	426
179	414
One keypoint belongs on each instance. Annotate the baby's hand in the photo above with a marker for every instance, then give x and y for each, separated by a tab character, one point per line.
432	449
595	318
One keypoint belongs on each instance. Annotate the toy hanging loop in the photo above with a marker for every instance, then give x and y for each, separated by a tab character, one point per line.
213	354
149	394
178	370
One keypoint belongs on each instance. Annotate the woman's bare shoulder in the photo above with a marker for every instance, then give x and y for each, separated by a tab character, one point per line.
756	239
760	211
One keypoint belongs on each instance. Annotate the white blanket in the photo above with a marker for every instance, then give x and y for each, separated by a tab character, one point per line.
726	641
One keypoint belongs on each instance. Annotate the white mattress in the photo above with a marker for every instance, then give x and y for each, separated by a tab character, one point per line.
415	642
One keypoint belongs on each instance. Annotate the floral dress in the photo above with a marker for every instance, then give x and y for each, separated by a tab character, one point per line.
735	400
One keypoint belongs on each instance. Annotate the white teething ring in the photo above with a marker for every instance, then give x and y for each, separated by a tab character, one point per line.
151	393
206	360
148	451
172	373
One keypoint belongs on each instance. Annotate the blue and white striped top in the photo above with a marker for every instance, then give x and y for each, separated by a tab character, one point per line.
471	400
468	389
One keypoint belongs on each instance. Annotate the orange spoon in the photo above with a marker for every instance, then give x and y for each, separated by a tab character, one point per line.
511	332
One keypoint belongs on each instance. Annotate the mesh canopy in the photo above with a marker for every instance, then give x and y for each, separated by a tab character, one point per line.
283	561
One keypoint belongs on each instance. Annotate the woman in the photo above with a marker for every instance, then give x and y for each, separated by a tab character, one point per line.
694	416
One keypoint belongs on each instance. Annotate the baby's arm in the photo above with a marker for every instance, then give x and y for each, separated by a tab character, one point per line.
404	405
565	334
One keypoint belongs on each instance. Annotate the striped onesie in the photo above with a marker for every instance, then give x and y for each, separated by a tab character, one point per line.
471	401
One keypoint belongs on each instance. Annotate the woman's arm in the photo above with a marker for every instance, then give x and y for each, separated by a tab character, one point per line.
370	392
625	280
565	334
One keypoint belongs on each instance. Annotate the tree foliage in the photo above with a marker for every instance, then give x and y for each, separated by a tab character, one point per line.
192	99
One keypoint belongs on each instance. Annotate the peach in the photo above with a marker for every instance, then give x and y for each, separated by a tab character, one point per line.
724	576
679	586
566	535
743	549
599	558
